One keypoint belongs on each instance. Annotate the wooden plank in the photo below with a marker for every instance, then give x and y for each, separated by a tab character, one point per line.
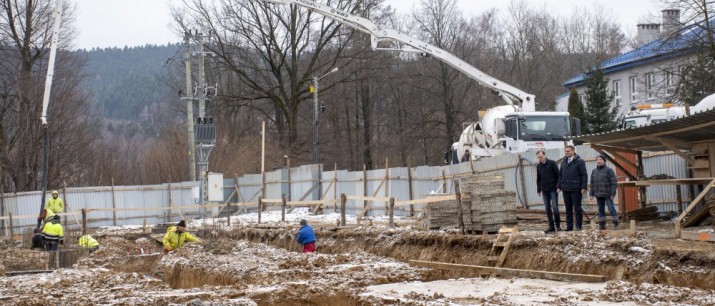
686	181
697	200
695	236
559	276
613	149
429	200
368	201
372	199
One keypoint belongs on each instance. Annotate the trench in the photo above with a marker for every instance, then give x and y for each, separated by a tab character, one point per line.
661	268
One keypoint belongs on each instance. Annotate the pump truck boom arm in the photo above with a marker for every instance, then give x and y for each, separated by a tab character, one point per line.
508	93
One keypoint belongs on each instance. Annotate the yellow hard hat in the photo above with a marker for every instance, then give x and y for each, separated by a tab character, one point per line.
55	192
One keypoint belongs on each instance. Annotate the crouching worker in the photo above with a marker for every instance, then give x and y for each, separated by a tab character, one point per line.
88	242
176	236
306	237
52	234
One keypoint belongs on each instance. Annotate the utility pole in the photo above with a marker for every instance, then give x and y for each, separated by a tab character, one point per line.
316	116
201	90
189	97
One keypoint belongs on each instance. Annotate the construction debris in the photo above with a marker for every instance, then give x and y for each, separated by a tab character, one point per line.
644	214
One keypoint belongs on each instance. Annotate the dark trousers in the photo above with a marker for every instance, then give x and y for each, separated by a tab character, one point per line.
51	245
551	204
572	201
602	202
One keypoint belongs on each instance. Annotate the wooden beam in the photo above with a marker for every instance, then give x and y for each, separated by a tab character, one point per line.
677	151
670	141
613	149
623	159
559	276
695	236
680	218
687	181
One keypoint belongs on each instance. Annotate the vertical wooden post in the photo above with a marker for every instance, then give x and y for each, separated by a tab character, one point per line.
471	164
364	189
65	200
392	212
679	199
263	159
641	174
144	228
260	207
523	182
343	199
622	203
12	229
228	216
84	221
283	208
444	182
410	189
289	180
335	188
114	203
676	230
387	182
170	204
460	214
633	227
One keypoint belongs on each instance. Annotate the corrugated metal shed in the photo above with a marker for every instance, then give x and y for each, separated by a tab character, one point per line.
685	130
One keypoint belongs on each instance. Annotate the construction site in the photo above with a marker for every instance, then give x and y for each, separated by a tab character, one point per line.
474	231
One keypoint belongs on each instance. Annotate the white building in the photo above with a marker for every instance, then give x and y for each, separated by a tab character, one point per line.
648	74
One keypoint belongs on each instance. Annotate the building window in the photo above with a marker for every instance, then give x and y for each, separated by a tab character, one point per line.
669	82
650	85
581	98
617	92
634	89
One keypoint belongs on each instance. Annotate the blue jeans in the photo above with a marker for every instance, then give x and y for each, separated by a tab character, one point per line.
572	201
602	202
551	204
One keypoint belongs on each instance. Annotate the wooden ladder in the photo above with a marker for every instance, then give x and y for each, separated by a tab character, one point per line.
501	246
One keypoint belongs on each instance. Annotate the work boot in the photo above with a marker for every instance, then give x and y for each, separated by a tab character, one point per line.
549	230
615	225
569	229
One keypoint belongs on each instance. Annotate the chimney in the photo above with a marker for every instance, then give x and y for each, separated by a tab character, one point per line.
671	23
647	32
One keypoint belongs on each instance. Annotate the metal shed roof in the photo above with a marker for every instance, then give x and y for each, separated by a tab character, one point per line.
681	133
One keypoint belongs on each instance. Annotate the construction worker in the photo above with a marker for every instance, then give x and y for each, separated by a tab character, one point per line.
306	237
88	242
55	204
52	234
176	236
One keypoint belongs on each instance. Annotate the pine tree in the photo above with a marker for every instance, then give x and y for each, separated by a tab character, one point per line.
600	115
576	110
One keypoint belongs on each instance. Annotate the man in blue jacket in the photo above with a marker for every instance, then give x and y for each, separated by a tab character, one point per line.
573	181
306	237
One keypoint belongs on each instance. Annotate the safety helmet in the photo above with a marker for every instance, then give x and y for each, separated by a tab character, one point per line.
55	192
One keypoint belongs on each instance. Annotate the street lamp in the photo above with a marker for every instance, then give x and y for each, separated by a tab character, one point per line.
316	123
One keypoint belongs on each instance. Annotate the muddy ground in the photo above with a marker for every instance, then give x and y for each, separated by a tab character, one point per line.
259	264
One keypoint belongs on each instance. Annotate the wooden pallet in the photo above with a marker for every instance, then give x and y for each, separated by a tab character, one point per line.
501	245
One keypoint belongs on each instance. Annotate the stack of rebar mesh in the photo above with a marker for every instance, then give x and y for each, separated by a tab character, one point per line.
486	206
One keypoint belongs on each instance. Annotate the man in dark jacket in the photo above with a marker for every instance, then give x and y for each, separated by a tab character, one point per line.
603	187
547	176
573	181
306	237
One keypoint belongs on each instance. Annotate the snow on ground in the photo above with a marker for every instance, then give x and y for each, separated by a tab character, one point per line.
521	291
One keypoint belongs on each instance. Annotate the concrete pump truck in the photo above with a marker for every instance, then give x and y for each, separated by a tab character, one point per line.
511	128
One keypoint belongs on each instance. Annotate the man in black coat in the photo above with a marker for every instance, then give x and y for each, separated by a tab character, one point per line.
547	176
603	187
573	181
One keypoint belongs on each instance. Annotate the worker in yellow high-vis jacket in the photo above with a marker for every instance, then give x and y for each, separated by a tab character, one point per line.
88	242
55	204
52	234
176	236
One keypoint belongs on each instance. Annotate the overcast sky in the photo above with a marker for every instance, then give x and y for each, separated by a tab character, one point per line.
119	23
